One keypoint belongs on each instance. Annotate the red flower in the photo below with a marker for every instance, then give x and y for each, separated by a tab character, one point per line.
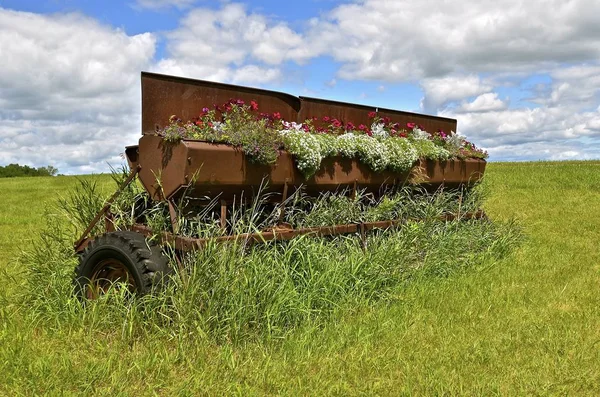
369	133
403	134
326	118
277	116
336	123
410	126
386	120
372	115
362	127
253	105
350	126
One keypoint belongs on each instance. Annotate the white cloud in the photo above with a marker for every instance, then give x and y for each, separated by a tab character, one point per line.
483	103
228	44
440	91
70	90
406	40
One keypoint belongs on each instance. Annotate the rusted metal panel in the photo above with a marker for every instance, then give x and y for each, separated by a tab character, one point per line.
427	122
344	112
164	96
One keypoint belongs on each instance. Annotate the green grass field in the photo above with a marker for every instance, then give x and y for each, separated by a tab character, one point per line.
528	324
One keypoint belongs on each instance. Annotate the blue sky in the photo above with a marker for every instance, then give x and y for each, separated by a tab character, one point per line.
521	78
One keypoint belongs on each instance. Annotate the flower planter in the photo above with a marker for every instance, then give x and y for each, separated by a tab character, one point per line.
211	170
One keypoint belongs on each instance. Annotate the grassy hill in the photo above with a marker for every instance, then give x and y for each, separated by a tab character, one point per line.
529	324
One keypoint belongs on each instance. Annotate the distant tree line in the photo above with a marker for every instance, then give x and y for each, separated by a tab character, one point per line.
14	170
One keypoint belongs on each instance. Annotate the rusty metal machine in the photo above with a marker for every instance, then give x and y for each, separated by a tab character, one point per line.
219	171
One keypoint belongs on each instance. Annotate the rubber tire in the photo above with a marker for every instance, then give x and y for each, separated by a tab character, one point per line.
145	263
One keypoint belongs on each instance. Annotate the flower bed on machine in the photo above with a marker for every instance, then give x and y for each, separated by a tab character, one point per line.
234	148
382	146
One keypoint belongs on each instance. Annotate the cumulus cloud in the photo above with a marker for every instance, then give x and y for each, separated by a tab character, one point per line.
404	40
70	92
441	91
229	44
483	103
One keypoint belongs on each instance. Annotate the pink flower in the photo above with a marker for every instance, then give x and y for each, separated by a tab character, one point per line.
326	118
253	105
239	102
336	123
372	115
350	126
410	126
362	127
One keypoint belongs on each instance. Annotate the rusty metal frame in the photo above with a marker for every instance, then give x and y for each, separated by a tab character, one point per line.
186	244
281	232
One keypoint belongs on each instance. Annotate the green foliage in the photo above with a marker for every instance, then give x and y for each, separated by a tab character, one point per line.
16	170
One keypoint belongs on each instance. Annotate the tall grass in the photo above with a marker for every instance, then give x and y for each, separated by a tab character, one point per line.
238	292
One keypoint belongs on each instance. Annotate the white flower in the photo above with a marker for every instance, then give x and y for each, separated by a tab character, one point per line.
306	150
372	153
217	126
401	154
292	125
455	140
347	145
419	133
379	131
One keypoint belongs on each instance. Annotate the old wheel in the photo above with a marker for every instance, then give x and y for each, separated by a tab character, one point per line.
119	257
